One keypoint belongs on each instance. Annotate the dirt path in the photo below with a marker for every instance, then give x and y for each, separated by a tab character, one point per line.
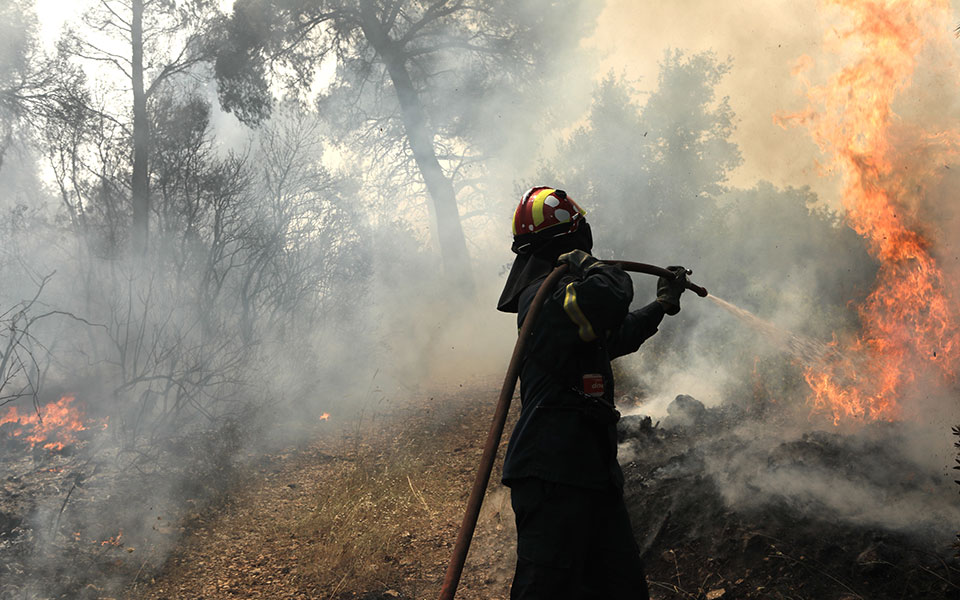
368	510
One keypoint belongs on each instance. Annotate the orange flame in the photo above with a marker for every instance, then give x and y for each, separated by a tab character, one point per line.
114	541
58	420
325	417
909	321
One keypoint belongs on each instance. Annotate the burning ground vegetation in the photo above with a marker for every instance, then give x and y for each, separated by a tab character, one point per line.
79	515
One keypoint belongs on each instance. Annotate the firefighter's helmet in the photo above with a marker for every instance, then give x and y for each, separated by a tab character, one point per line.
544	213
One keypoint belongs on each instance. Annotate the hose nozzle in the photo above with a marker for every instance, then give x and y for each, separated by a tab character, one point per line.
660	272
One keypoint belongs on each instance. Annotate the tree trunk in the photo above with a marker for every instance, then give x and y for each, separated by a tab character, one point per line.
453	245
141	138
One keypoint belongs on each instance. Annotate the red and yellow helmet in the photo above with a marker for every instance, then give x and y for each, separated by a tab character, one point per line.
545	213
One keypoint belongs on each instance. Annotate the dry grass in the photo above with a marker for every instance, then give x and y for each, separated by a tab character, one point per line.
364	520
388	520
372	507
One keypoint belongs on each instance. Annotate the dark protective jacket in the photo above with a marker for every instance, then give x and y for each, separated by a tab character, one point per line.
567	427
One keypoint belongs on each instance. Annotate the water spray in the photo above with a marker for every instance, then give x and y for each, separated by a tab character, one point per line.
803	348
469	524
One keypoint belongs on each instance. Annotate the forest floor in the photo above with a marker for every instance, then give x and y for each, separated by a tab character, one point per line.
369	510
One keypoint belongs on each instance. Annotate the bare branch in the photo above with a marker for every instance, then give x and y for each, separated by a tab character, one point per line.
435	12
106	57
126	25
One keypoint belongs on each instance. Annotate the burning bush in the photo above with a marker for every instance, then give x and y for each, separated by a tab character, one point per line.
53	426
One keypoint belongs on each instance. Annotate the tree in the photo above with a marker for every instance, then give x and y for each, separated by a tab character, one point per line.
146	43
33	86
406	66
689	130
658	167
247	250
308	259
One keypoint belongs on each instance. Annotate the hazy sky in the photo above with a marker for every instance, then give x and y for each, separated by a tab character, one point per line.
764	39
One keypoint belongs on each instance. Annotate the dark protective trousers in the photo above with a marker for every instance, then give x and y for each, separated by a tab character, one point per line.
574	543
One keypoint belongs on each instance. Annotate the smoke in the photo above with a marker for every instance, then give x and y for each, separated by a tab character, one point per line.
872	478
311	285
681	162
764	39
279	285
782	255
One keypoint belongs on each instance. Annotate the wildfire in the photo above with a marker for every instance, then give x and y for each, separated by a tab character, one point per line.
325	416
909	320
54	427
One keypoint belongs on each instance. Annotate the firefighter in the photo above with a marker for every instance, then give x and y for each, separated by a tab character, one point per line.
574	538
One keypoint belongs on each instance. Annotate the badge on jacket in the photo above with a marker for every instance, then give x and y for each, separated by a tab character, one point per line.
593	385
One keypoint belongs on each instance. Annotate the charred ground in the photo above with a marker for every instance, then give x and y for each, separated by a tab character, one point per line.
776	545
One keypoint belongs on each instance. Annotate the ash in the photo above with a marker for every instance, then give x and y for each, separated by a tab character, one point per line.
726	503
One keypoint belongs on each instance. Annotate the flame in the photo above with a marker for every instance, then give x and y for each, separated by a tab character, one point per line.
325	416
114	541
58	420
909	320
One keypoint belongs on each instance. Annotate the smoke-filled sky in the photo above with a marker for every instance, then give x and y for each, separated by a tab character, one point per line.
764	39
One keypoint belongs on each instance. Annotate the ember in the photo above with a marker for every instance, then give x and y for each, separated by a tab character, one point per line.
909	321
113	541
54	427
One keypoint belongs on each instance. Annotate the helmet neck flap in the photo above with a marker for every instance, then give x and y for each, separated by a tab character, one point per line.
537	258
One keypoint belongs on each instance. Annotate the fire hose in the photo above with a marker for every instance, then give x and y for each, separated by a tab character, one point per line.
467	527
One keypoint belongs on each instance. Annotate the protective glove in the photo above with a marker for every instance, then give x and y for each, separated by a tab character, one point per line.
669	290
579	262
